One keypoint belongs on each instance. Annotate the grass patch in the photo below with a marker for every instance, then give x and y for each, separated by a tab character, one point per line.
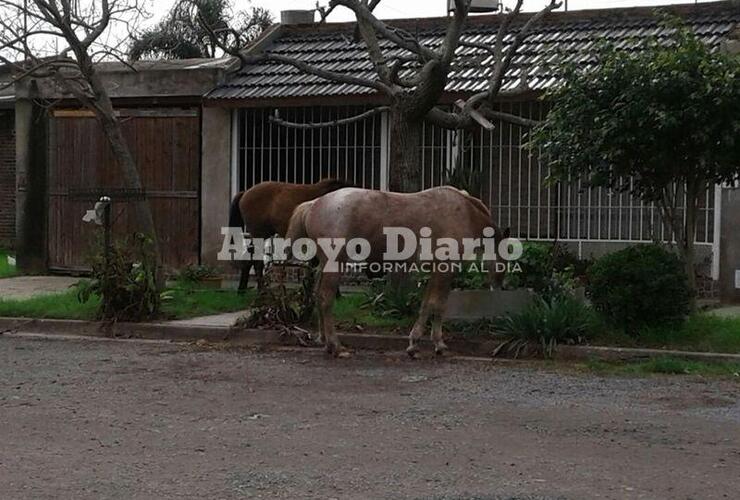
6	270
183	303
54	306
665	366
187	302
701	332
349	312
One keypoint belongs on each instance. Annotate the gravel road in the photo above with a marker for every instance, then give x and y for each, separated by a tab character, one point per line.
95	419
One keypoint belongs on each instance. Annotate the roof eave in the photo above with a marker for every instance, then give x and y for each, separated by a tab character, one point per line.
375	99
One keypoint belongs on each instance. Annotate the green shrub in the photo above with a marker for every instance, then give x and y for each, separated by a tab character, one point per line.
397	299
473	276
563	320
640	285
127	285
194	274
279	306
550	270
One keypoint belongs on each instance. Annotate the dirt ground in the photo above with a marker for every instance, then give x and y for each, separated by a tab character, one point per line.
94	419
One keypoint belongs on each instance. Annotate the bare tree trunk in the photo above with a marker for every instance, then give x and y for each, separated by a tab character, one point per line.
113	132
405	143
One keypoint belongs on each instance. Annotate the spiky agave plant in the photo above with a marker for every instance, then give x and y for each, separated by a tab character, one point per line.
545	324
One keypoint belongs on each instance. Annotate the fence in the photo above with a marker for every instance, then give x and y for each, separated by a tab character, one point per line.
268	152
494	165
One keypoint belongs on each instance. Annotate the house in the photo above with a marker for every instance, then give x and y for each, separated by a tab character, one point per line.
201	132
509	177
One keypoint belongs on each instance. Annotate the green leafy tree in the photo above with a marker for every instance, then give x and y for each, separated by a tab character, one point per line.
181	34
662	123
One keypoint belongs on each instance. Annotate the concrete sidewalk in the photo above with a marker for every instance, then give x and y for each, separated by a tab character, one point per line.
225	320
730	312
24	287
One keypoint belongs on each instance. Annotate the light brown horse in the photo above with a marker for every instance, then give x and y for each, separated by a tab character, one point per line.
265	210
359	213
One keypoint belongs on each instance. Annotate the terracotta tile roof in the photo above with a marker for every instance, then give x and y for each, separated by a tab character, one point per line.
563	36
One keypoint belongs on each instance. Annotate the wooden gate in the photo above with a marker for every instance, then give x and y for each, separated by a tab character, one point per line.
166	146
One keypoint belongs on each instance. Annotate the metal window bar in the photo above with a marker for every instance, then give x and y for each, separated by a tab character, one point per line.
512	178
269	152
513	186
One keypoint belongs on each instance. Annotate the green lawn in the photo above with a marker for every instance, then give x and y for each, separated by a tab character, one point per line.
55	306
6	270
350	311
187	302
701	332
183	303
665	366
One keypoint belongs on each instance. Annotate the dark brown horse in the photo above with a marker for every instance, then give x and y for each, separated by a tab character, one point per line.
265	210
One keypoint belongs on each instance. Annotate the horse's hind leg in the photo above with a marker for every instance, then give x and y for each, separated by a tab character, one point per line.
327	293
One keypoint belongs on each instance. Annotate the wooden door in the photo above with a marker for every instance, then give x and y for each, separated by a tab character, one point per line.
166	146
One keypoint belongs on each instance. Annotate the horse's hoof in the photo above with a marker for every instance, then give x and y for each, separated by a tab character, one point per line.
440	349
412	351
343	354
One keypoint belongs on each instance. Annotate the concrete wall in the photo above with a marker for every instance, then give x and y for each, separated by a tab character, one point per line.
31	126
730	245
7	179
215	181
151	80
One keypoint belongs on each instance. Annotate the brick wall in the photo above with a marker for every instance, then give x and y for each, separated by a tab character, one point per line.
7	178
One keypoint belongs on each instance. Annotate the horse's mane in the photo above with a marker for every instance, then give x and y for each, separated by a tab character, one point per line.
335	184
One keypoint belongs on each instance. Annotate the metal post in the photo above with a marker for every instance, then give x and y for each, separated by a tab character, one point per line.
106	232
717	233
384	150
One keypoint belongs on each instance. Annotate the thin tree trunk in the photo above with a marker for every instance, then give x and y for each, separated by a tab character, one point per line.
405	143
405	169
132	180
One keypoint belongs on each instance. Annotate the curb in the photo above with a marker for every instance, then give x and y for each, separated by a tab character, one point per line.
370	342
586	353
235	336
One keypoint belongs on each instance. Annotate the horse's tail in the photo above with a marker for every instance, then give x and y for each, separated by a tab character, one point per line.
297	225
235	213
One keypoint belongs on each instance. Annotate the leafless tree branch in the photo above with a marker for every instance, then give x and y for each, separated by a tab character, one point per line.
30	32
503	59
246	59
333	123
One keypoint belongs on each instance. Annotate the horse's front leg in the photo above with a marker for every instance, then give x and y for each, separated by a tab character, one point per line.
420	326
319	337
439	293
244	267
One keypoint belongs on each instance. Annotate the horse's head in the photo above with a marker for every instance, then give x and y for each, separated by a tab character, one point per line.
331	185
